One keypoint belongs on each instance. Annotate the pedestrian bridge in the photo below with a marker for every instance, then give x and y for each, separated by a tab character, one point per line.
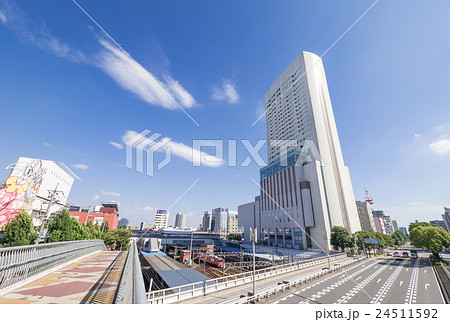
70	272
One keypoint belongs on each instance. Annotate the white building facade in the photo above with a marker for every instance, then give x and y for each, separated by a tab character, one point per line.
161	219
305	188
28	188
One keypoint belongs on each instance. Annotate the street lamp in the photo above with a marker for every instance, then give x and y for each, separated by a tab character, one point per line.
326	245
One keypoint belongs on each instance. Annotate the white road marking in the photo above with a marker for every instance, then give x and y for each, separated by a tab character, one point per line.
379	280
401	282
426	285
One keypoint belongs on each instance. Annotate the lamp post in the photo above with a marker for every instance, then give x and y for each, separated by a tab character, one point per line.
327	248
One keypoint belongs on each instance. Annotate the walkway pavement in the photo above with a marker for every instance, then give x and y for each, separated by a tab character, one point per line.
93	279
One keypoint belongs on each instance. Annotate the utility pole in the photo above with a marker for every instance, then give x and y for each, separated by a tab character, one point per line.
52	199
190	257
252	237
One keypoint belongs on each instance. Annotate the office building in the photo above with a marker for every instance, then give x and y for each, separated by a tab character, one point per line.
439	223
378	218
446	218
365	215
161	219
389	225
28	188
403	230
232	222
206	222
220	219
394	223
180	221
306	187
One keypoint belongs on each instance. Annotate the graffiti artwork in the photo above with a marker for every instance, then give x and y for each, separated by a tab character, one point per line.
20	189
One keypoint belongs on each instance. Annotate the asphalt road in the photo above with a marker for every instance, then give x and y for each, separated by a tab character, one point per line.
227	295
380	280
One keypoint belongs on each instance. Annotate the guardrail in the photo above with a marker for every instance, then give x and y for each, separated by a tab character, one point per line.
288	285
175	294
131	285
445	270
20	263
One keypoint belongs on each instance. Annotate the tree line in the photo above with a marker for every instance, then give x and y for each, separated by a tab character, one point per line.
62	227
341	238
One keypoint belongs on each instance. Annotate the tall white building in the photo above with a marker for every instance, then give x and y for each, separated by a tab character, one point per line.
161	219
28	187
365	216
305	188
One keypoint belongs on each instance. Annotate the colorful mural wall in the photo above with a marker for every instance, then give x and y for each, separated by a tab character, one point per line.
20	189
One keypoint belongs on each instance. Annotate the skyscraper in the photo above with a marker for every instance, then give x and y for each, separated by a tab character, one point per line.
365	216
180	220
305	188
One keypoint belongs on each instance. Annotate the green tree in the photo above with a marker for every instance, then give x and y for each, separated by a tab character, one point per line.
19	231
119	236
416	224
399	238
105	226
64	227
432	238
340	238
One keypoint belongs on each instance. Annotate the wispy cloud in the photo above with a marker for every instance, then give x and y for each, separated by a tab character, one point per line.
37	34
179	149
116	145
96	197
135	78
3	18
48	144
80	166
226	92
112	193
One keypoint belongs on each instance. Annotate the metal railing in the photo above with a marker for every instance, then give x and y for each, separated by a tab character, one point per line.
175	294
19	263
131	285
288	285
445	270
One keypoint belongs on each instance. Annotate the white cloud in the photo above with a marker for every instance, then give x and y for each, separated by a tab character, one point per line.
112	193
418	135
47	144
80	166
37	34
178	149
441	146
116	145
96	197
226	92
3	18
133	77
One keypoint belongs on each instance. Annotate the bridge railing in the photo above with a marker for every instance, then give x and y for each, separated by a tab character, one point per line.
131	285
19	263
175	294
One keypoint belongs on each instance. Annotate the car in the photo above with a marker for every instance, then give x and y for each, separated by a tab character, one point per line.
397	256
414	256
388	254
405	254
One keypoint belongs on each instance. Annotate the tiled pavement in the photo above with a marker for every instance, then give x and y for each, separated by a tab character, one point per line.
93	279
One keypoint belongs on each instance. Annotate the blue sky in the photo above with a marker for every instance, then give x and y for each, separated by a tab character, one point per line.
67	91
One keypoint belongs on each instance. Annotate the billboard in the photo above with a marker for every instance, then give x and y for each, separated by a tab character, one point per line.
161	211
20	189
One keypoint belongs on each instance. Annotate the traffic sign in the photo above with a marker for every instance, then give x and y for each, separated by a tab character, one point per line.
371	240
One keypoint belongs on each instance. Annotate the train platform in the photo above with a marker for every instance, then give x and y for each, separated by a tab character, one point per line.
172	272
90	280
